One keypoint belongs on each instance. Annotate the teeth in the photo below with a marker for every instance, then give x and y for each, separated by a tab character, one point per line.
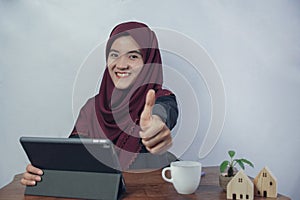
122	74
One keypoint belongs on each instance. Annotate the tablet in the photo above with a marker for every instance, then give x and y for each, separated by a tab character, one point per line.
72	154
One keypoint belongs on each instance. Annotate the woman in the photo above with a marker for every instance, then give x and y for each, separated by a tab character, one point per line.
131	109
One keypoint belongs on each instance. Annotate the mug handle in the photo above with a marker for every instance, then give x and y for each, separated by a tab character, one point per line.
163	174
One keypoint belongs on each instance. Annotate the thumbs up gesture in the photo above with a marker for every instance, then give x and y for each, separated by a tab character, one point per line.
156	136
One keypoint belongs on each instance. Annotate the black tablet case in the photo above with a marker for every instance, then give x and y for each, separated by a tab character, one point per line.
71	170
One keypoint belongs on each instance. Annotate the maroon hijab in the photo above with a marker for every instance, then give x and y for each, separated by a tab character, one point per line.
118	111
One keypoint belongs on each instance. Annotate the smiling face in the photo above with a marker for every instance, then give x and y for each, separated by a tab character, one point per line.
124	62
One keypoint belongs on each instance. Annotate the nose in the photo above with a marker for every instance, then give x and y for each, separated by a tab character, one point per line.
121	62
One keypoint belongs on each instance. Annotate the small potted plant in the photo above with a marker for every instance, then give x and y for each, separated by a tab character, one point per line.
228	170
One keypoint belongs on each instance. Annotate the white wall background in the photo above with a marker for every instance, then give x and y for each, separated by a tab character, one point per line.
255	44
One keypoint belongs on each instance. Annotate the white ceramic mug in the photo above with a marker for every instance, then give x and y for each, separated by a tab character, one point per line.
185	176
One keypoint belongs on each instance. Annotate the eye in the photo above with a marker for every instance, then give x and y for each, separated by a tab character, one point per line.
113	55
134	56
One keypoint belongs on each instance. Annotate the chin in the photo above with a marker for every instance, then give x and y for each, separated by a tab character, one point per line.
122	85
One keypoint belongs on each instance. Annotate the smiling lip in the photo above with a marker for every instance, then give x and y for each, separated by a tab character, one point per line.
122	74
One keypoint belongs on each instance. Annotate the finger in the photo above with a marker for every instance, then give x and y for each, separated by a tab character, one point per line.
147	112
27	182
161	147
31	177
34	170
160	143
151	131
163	135
156	126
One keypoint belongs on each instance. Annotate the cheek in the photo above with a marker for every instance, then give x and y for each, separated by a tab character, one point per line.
140	69
109	64
139	66
110	71
110	68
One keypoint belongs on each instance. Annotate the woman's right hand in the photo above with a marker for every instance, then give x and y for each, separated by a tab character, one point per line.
32	175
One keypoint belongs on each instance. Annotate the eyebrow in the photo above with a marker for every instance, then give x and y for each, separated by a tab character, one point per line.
133	51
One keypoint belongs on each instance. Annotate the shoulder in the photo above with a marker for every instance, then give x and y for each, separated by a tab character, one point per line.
166	98
89	104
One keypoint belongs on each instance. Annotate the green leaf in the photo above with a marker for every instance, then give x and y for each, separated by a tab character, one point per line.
224	165
231	153
240	162
247	162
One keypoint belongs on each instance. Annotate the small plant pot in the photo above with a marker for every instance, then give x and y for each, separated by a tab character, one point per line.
224	180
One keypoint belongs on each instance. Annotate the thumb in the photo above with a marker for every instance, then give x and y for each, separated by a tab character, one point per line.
146	115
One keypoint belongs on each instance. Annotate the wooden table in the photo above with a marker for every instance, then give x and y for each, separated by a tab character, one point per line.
141	186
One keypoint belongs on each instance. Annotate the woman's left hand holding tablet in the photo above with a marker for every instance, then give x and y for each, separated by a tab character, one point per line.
156	136
32	175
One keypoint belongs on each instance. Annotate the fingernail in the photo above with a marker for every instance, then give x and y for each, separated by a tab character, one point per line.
38	178
40	172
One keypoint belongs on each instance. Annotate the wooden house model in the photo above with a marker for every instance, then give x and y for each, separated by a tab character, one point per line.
240	187
265	184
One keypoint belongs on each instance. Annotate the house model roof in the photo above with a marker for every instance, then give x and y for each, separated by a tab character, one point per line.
240	187
265	183
265	170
